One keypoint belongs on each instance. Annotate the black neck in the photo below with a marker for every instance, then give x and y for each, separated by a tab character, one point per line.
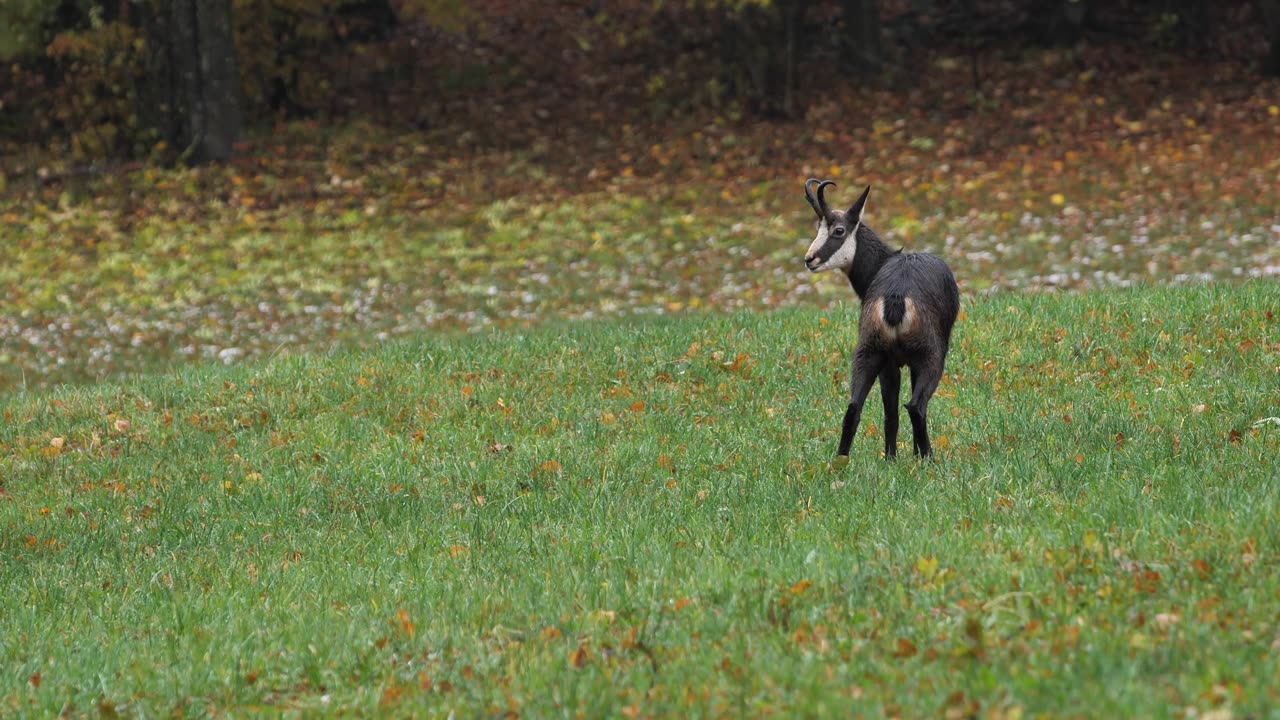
872	254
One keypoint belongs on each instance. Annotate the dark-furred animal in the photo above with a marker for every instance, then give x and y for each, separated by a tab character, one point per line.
910	302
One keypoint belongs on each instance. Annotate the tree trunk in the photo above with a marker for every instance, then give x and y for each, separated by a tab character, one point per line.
793	23
219	96
863	47
193	93
1062	22
1196	25
1271	19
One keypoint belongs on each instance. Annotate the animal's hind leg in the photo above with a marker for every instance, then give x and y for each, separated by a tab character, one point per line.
865	368
890	382
924	381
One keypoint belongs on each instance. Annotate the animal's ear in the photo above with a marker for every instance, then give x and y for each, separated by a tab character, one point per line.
855	212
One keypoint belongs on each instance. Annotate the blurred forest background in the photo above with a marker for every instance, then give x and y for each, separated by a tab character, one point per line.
182	79
226	178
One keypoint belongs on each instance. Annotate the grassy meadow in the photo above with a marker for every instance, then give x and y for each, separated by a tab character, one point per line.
377	422
637	517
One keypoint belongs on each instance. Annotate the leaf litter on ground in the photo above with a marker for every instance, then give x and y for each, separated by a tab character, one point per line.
1067	180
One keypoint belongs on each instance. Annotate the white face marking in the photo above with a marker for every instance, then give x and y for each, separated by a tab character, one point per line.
843	256
819	240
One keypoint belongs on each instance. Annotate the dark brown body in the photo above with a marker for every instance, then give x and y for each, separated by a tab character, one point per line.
908	311
910	302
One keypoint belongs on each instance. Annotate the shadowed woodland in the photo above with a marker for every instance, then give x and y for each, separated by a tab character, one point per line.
185	81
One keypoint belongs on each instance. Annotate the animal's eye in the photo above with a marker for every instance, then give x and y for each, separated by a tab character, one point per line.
838	231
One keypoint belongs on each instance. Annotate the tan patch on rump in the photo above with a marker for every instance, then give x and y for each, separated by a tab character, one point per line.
875	315
908	317
878	325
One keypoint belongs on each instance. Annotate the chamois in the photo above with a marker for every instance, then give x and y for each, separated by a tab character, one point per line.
909	304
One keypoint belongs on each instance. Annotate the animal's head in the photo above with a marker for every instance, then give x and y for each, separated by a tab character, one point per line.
836	243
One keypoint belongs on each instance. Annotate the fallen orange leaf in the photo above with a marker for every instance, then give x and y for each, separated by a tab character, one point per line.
905	649
406	623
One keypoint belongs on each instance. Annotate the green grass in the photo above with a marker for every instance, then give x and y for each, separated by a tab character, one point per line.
637	517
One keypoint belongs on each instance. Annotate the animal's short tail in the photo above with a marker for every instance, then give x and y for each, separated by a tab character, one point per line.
895	308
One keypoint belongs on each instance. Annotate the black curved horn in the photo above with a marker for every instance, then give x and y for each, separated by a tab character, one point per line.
822	202
808	195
